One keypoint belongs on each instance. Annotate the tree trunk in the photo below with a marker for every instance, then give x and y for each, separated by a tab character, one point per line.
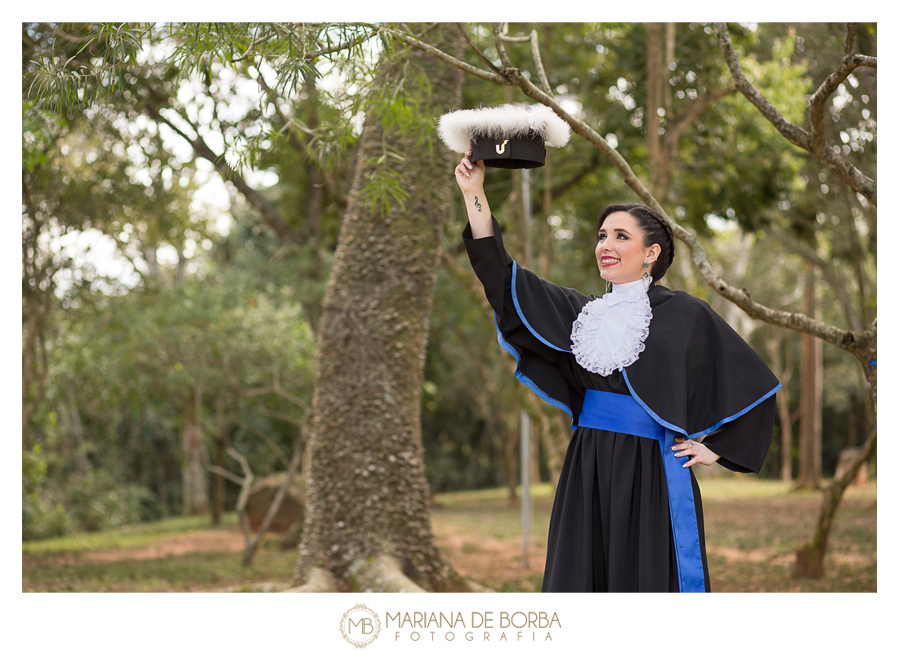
545	234
315	206
661	148
784	415
554	445
193	473
162	491
368	496
810	473
670	57
34	359
221	441
811	557
656	75
152	262
784	373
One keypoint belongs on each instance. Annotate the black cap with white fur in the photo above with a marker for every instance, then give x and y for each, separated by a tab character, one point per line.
507	137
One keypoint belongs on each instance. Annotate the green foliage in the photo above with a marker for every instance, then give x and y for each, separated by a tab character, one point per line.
96	70
77	67
41	516
385	184
394	99
97	500
129	365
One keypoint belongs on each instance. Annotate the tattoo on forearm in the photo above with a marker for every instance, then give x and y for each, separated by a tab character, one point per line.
477	205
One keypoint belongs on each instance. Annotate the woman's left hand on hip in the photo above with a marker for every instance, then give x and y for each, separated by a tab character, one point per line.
698	453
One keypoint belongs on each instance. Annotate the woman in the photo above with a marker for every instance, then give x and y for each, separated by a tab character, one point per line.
643	371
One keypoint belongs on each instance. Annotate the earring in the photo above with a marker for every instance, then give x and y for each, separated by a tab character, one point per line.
646	278
608	286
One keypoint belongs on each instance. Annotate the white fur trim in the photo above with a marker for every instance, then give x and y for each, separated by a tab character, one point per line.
458	128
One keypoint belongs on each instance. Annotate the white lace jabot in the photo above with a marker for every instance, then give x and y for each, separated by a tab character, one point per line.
610	331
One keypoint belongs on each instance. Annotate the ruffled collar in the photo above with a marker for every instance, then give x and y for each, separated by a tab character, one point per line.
610	331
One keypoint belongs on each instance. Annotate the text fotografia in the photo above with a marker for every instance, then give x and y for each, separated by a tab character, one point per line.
481	626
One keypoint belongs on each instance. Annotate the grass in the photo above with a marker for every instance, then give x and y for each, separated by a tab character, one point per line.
141	534
751	540
753	527
152	557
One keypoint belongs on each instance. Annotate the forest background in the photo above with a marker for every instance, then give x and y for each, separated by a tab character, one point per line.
151	390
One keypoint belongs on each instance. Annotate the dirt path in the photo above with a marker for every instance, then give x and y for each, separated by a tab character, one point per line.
492	561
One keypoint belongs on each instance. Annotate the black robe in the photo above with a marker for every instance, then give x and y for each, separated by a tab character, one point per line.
610	528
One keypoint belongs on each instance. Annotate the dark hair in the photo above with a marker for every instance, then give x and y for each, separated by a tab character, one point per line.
655	230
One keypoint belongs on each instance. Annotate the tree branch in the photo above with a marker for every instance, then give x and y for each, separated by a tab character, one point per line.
342	46
277	390
850	40
818	100
225	473
293	467
696	108
535	53
680	123
316	53
538	64
449	59
299	143
281	416
265	438
497	28
563	186
270	216
794	134
845	171
246	483
836	282
252	45
477	50
861	345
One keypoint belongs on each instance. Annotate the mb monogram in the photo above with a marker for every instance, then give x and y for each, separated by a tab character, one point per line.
360	625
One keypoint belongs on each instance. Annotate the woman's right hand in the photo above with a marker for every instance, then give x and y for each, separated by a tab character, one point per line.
470	178
469	175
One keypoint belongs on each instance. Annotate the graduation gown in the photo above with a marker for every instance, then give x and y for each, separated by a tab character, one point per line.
613	524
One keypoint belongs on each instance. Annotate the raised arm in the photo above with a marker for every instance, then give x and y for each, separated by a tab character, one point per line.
470	178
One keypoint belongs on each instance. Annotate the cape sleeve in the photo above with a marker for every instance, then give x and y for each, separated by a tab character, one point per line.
533	317
701	379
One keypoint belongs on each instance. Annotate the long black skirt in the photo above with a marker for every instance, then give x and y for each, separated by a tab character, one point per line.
610	529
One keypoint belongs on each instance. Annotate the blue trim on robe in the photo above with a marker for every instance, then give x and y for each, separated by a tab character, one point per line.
522	377
522	315
684	432
615	412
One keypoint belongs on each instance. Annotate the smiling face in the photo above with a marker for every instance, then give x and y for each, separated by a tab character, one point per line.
621	252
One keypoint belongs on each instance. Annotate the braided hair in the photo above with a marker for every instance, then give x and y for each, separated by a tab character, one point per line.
655	230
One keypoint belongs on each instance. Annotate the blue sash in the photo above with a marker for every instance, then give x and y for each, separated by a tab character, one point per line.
621	413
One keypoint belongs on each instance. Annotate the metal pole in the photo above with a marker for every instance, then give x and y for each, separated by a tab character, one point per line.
525	463
526	198
525	436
